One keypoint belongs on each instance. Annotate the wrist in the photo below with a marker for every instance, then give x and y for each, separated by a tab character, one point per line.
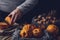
18	10
20	14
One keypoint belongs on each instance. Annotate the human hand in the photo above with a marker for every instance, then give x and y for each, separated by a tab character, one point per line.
14	15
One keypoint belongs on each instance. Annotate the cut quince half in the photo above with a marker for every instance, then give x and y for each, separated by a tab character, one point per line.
8	20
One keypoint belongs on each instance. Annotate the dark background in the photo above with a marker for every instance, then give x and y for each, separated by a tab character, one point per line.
44	6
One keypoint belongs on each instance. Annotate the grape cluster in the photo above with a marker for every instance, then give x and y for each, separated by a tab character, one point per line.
43	20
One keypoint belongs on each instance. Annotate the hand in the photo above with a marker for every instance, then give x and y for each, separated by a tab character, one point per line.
15	14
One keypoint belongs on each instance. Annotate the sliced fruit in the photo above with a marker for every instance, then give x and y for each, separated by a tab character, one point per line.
8	20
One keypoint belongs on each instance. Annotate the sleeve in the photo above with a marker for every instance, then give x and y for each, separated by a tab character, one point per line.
27	5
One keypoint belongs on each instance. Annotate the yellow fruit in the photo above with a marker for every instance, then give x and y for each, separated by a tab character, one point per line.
8	20
37	32
26	27
27	30
52	28
23	33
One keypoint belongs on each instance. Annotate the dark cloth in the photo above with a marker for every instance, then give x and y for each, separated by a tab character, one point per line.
10	5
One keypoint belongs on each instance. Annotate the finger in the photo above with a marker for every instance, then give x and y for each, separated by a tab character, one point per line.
12	19
11	14
15	17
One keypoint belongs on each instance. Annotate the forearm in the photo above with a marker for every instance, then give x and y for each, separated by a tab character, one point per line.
27	5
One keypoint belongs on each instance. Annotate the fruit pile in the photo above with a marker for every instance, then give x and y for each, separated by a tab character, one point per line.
42	26
30	30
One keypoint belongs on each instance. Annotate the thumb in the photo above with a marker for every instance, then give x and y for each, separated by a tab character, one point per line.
13	18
